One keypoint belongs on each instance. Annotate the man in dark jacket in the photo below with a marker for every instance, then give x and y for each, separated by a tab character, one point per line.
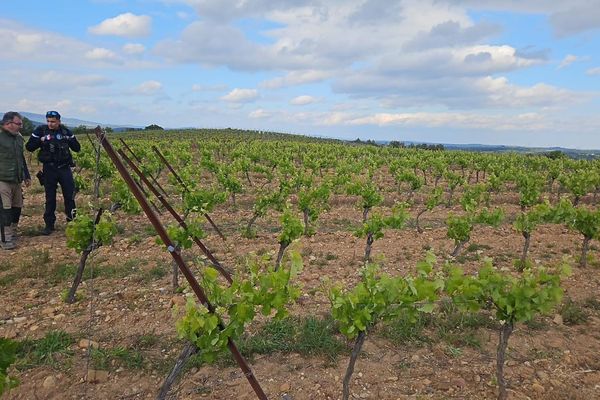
55	142
13	172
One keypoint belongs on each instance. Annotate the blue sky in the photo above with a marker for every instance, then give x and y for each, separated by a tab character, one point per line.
510	72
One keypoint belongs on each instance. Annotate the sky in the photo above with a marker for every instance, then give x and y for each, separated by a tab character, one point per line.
513	72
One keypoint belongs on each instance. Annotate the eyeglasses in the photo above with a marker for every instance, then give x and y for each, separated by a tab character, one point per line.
52	114
16	123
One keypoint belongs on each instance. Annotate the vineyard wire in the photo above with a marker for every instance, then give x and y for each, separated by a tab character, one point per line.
88	354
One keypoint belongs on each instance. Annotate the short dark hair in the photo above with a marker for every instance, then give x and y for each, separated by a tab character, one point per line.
9	116
53	114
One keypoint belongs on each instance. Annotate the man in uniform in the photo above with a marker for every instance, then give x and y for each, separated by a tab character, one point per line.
55	142
13	172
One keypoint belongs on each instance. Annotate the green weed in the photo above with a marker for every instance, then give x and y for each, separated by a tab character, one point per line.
105	359
573	313
49	350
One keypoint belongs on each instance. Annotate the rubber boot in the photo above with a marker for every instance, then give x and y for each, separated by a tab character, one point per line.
15	216
15	233
48	229
6	231
7	242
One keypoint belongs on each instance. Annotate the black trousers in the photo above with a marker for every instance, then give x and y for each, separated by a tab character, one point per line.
54	176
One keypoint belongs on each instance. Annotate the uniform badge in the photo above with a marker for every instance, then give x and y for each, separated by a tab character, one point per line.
59	136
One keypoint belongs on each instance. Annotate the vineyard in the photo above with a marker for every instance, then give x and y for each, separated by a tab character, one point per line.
288	267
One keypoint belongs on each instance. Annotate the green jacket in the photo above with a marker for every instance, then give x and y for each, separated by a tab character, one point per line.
13	168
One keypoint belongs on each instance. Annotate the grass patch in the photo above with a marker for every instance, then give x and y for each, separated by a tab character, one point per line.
573	313
41	257
306	336
8	280
155	273
316	337
536	324
330	256
8	264
467	257
275	336
66	272
404	330
49	350
105	359
592	303
34	268
458	328
146	341
452	351
135	239
474	247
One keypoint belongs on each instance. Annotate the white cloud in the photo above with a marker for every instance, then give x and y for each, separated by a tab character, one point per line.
241	96
578	17
148	88
23	43
102	54
567	17
70	79
313	35
225	10
134	48
500	93
86	109
504	122
259	114
593	71
209	44
126	25
568	60
302	100
296	78
208	88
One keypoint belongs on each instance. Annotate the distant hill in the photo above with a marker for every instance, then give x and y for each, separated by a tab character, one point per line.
40	119
489	148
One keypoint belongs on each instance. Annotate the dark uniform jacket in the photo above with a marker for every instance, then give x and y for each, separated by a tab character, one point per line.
55	149
13	168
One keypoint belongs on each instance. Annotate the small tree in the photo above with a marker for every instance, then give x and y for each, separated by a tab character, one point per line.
291	229
525	223
312	201
379	297
369	196
460	227
433	200
373	227
581	219
85	235
154	127
514	300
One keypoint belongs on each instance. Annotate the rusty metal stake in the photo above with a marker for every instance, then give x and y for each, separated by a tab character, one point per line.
177	217
140	162
185	188
189	276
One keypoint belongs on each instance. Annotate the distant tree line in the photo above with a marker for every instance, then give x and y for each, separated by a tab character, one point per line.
365	142
423	146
